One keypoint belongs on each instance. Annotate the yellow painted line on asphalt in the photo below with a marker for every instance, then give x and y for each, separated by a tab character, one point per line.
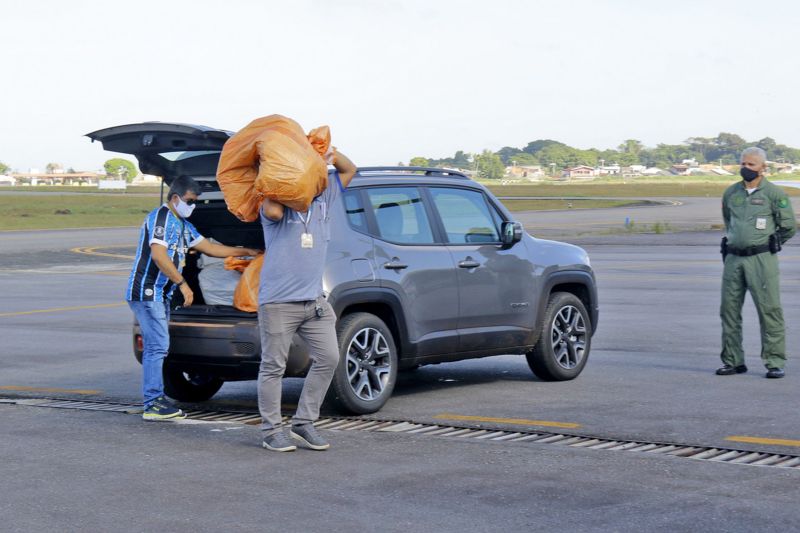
514	421
763	440
92	250
59	309
49	389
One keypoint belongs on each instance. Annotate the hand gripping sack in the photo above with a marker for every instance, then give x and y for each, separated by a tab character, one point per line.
245	297
272	158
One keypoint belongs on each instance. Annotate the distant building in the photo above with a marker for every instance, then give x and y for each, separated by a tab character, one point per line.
146	180
687	167
530	172
784	168
61	178
608	170
579	172
713	169
679	169
655	171
633	171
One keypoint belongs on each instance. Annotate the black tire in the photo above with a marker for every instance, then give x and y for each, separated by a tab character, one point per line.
565	340
367	371
187	386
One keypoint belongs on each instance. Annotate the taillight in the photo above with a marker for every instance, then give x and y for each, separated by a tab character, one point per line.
138	342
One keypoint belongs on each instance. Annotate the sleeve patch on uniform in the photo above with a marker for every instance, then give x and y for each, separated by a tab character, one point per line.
783	202
159	231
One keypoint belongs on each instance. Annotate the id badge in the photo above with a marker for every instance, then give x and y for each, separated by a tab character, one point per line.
761	223
307	240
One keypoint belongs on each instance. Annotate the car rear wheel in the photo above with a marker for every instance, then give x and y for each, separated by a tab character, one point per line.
189	386
367	371
565	341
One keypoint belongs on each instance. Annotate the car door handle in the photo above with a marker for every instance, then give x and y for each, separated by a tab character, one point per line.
468	263
394	265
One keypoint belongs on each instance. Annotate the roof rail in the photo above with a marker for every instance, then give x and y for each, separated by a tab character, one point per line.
428	171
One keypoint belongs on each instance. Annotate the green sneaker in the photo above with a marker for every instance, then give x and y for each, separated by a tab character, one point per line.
161	409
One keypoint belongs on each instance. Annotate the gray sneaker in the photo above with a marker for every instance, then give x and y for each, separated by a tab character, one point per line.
278	442
308	437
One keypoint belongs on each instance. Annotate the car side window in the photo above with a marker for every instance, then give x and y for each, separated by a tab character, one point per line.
355	211
465	215
400	215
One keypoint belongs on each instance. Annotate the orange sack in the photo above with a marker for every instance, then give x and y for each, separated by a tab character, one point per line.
273	158
245	297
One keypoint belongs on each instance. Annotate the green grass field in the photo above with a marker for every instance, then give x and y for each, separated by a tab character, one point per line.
617	190
35	211
87	189
127	208
558	203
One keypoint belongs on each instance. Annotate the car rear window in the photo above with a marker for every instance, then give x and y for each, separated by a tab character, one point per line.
400	215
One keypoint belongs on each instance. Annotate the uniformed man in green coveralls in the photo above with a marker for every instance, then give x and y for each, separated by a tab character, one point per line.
758	219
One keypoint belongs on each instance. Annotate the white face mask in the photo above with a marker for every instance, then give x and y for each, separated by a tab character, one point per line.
184	210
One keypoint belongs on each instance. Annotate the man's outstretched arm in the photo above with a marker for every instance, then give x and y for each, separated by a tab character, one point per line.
344	166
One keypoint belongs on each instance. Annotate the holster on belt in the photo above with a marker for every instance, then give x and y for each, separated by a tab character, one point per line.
774	243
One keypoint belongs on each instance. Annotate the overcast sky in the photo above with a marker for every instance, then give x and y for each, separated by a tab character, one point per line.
397	79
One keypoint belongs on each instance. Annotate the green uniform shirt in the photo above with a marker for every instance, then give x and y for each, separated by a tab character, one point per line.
751	218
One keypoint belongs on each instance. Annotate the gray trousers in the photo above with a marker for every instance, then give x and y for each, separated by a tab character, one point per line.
278	324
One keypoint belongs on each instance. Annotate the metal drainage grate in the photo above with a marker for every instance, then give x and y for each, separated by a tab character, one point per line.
703	453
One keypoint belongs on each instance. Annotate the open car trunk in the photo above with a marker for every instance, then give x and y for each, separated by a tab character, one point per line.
214	221
170	150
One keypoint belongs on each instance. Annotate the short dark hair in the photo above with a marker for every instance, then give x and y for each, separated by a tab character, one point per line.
181	185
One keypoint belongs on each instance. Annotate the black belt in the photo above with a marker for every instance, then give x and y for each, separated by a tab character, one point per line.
751	250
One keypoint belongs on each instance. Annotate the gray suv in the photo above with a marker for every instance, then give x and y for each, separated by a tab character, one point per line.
424	266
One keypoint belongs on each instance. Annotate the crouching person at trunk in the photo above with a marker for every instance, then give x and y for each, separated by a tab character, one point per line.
165	238
290	301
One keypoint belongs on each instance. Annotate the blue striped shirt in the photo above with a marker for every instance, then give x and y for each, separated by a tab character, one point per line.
161	226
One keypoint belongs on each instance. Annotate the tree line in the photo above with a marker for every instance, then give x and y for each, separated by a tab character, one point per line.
552	155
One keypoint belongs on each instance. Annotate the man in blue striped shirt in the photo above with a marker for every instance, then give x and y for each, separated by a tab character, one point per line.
165	238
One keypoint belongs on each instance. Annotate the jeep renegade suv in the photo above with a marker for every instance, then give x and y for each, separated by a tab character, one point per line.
424	266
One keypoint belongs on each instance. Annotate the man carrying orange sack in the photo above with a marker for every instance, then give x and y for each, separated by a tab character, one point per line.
291	301
165	238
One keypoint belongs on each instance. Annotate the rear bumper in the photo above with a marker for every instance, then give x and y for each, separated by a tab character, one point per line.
227	348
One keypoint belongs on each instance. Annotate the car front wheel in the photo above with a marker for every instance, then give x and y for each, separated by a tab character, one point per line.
565	341
367	371
187	386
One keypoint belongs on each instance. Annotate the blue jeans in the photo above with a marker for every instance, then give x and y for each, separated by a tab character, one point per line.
153	318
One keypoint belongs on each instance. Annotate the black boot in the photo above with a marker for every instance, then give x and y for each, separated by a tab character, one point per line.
775	373
729	370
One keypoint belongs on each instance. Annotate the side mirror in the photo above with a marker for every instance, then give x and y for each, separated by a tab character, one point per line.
511	233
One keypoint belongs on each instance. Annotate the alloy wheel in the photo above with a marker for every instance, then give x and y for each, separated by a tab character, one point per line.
568	337
368	363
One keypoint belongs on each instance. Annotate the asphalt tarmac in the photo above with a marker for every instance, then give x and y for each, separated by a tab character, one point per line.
66	333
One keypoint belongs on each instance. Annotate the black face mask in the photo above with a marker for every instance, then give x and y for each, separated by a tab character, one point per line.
748	174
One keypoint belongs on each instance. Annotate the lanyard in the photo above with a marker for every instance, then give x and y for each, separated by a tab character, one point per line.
183	236
307	219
